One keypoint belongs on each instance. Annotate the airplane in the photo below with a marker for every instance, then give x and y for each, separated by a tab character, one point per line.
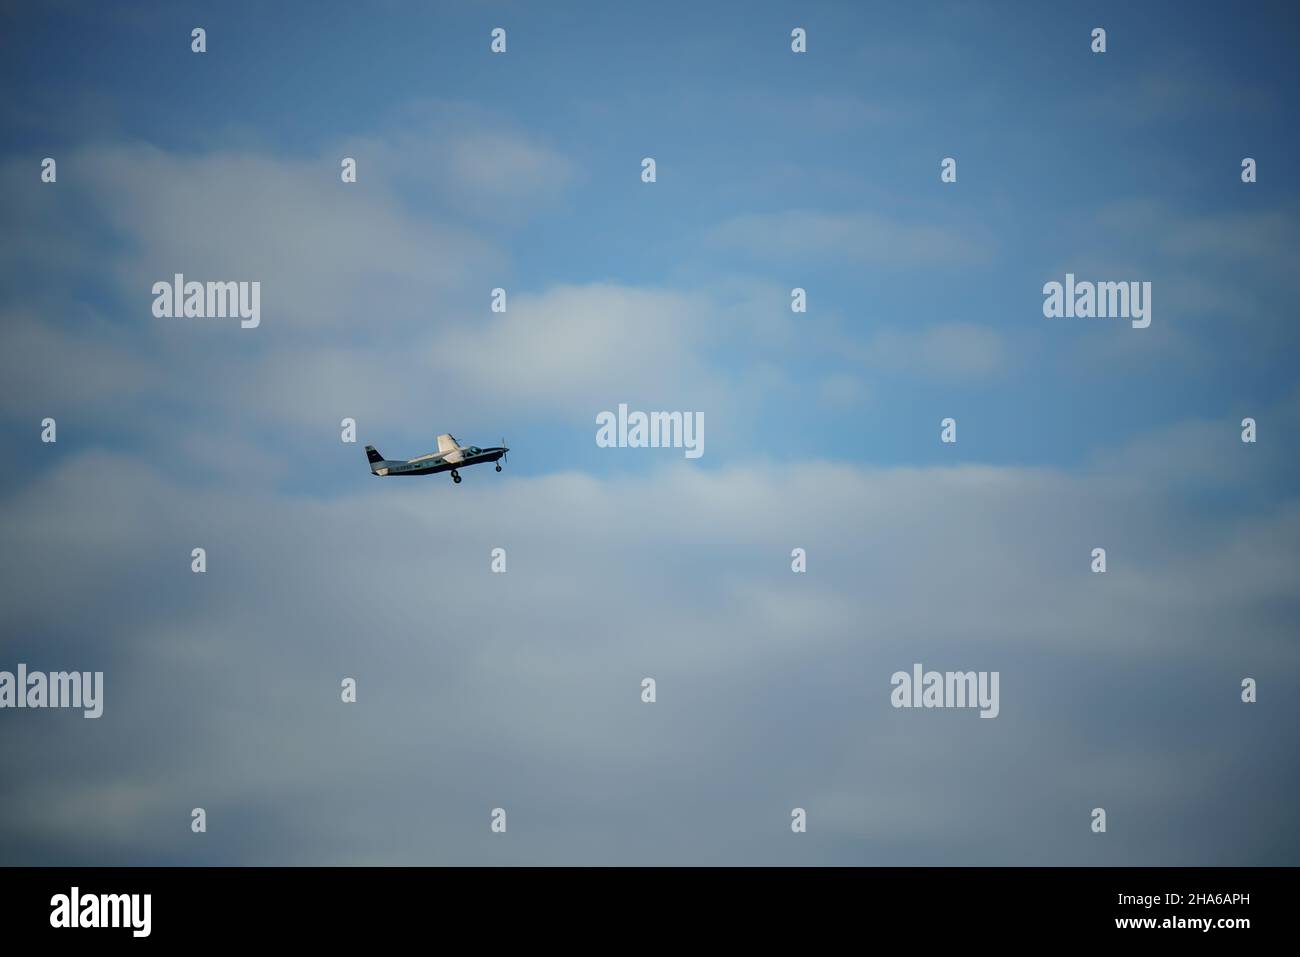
451	455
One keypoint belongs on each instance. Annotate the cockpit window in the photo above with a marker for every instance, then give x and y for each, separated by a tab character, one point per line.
474	450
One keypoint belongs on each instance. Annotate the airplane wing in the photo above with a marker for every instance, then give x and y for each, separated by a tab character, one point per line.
447	443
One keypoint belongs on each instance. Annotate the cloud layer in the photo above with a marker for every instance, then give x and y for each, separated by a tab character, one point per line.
521	690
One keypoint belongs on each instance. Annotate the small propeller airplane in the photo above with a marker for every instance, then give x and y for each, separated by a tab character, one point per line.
451	455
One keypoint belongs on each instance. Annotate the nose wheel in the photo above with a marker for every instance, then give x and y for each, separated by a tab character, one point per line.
498	466
455	476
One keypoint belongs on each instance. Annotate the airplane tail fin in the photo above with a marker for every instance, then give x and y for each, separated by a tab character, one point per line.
376	460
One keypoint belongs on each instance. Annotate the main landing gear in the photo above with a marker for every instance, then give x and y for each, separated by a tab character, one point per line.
455	476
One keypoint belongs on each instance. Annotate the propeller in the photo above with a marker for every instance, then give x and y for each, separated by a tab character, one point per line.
504	457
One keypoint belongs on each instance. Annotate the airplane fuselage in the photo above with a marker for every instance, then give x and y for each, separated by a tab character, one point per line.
450	457
430	464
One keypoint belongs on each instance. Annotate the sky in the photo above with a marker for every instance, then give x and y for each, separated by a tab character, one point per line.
522	690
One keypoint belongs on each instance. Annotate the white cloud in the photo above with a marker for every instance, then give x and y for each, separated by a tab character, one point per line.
571	346
807	235
46	365
465	160
325	256
948	350
521	690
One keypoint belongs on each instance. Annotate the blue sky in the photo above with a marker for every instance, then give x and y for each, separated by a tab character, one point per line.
775	170
1099	163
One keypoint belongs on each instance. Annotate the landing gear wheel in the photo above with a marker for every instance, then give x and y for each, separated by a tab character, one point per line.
498	466
455	477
